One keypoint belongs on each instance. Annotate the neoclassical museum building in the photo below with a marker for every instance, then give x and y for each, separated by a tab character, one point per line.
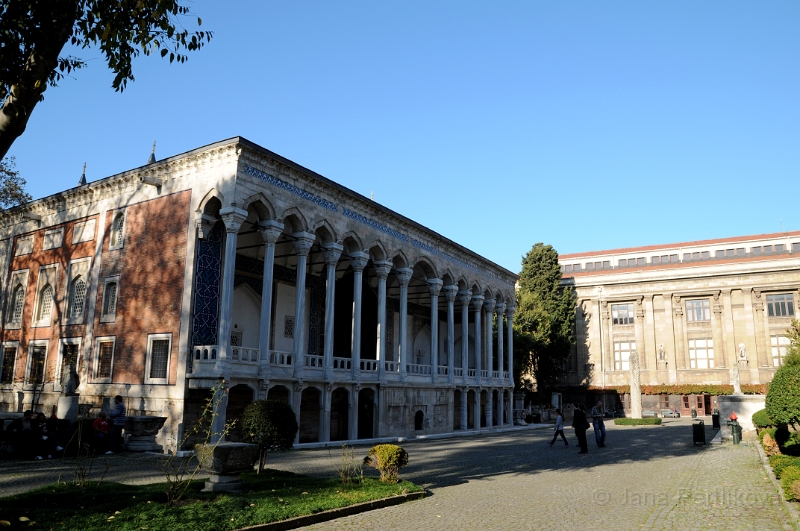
232	263
694	312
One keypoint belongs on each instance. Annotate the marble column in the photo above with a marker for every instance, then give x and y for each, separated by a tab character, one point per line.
464	409
510	347
489	306
358	261
331	253
501	310
403	275
434	286
325	434
382	269
464	297
477	305
302	245
450	295
233	219
270	231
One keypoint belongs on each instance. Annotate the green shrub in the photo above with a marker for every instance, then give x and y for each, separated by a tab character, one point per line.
271	425
761	419
637	422
780	462
790	481
791	446
766	431
388	459
783	400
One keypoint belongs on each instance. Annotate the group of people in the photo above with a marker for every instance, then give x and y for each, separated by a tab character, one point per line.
581	423
30	438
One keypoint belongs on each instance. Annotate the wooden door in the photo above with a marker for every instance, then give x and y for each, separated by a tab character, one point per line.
685	407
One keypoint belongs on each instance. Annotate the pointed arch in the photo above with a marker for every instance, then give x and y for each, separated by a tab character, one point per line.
427	266
399	259
352	243
294	220
211	203
462	283
324	231
378	251
261	205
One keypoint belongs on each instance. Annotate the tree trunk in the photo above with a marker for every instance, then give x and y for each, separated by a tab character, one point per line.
262	458
45	45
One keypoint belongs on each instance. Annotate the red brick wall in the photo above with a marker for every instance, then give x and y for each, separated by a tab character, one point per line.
151	267
62	256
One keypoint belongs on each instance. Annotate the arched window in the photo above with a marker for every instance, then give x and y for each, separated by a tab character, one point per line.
77	295
117	231
110	299
19	302
45	303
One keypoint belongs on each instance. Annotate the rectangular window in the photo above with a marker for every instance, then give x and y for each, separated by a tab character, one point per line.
698	310
37	356
83	231
701	353
663	401
576	267
159	347
673	258
589	265
24	245
622	314
606	264
767	248
105	358
623	262
622	354
69	356
641	261
779	345
598	265
755	250
568	268
655	260
740	251
110	301
687	256
705	255
53	239
780	305
779	248
796	247
9	359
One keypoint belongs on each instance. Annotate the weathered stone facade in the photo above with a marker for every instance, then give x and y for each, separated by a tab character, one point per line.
694	312
161	281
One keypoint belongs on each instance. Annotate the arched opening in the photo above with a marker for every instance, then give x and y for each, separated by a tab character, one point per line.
366	413
278	393
309	415
339	414
471	410
483	409
239	397
419	420
457	410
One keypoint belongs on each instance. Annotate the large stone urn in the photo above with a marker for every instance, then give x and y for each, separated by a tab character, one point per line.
141	432
225	461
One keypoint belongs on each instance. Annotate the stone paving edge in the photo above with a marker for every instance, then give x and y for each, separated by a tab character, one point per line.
794	514
333	514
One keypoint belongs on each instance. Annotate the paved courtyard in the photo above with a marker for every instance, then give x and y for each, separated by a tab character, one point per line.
646	478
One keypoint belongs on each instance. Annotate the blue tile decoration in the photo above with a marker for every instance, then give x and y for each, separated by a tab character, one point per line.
266	177
374	224
208	276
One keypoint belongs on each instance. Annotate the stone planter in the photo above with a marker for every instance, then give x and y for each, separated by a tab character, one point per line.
225	462
141	432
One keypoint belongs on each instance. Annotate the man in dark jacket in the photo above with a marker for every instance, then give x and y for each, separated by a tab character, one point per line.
580	424
118	418
26	437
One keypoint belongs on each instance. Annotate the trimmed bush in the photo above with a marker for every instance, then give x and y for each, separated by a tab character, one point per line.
637	422
783	400
780	462
761	419
271	425
790	481
388	459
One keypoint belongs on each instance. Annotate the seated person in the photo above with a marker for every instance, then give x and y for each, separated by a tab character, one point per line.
47	447
100	427
26	436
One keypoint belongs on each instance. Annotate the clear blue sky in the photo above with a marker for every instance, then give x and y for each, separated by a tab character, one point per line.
585	125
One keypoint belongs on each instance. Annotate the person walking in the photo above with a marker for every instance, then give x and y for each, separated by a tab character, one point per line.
580	424
118	418
599	425
559	430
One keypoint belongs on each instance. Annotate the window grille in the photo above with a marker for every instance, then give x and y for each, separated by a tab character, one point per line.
117	233
104	359
77	296
7	374
698	310
780	305
622	314
69	356
622	354
45	303
36	373
19	301
288	326
701	353
110	303
779	345
159	352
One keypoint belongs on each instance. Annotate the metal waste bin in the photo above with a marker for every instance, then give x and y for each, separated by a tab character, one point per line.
698	432
715	421
694	413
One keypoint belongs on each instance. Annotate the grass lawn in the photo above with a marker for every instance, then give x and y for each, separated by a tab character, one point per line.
273	495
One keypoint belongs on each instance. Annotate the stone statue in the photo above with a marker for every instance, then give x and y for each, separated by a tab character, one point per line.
661	354
742	353
737	386
70	381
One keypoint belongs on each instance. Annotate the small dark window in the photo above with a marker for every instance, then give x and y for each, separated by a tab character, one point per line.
419	419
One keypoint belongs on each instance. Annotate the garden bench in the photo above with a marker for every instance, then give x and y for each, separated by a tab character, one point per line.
668	413
648	414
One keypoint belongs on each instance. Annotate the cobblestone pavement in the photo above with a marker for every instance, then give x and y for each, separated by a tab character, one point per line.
645	478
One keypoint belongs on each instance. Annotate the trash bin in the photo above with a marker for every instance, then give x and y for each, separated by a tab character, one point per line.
694	413
715	421
698	432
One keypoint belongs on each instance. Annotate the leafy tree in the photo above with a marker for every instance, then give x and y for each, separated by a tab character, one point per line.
544	322
783	399
33	34
271	425
12	186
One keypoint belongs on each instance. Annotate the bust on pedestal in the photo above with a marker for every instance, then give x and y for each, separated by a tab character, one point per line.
68	401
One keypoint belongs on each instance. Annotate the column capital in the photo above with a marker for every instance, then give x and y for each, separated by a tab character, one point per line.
500	309
403	275
382	268
303	242
510	311
450	292
204	224
465	296
489	305
358	260
332	251
477	302
270	230
434	286
233	218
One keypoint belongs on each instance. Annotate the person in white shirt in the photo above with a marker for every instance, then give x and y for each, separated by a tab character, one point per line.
559	429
